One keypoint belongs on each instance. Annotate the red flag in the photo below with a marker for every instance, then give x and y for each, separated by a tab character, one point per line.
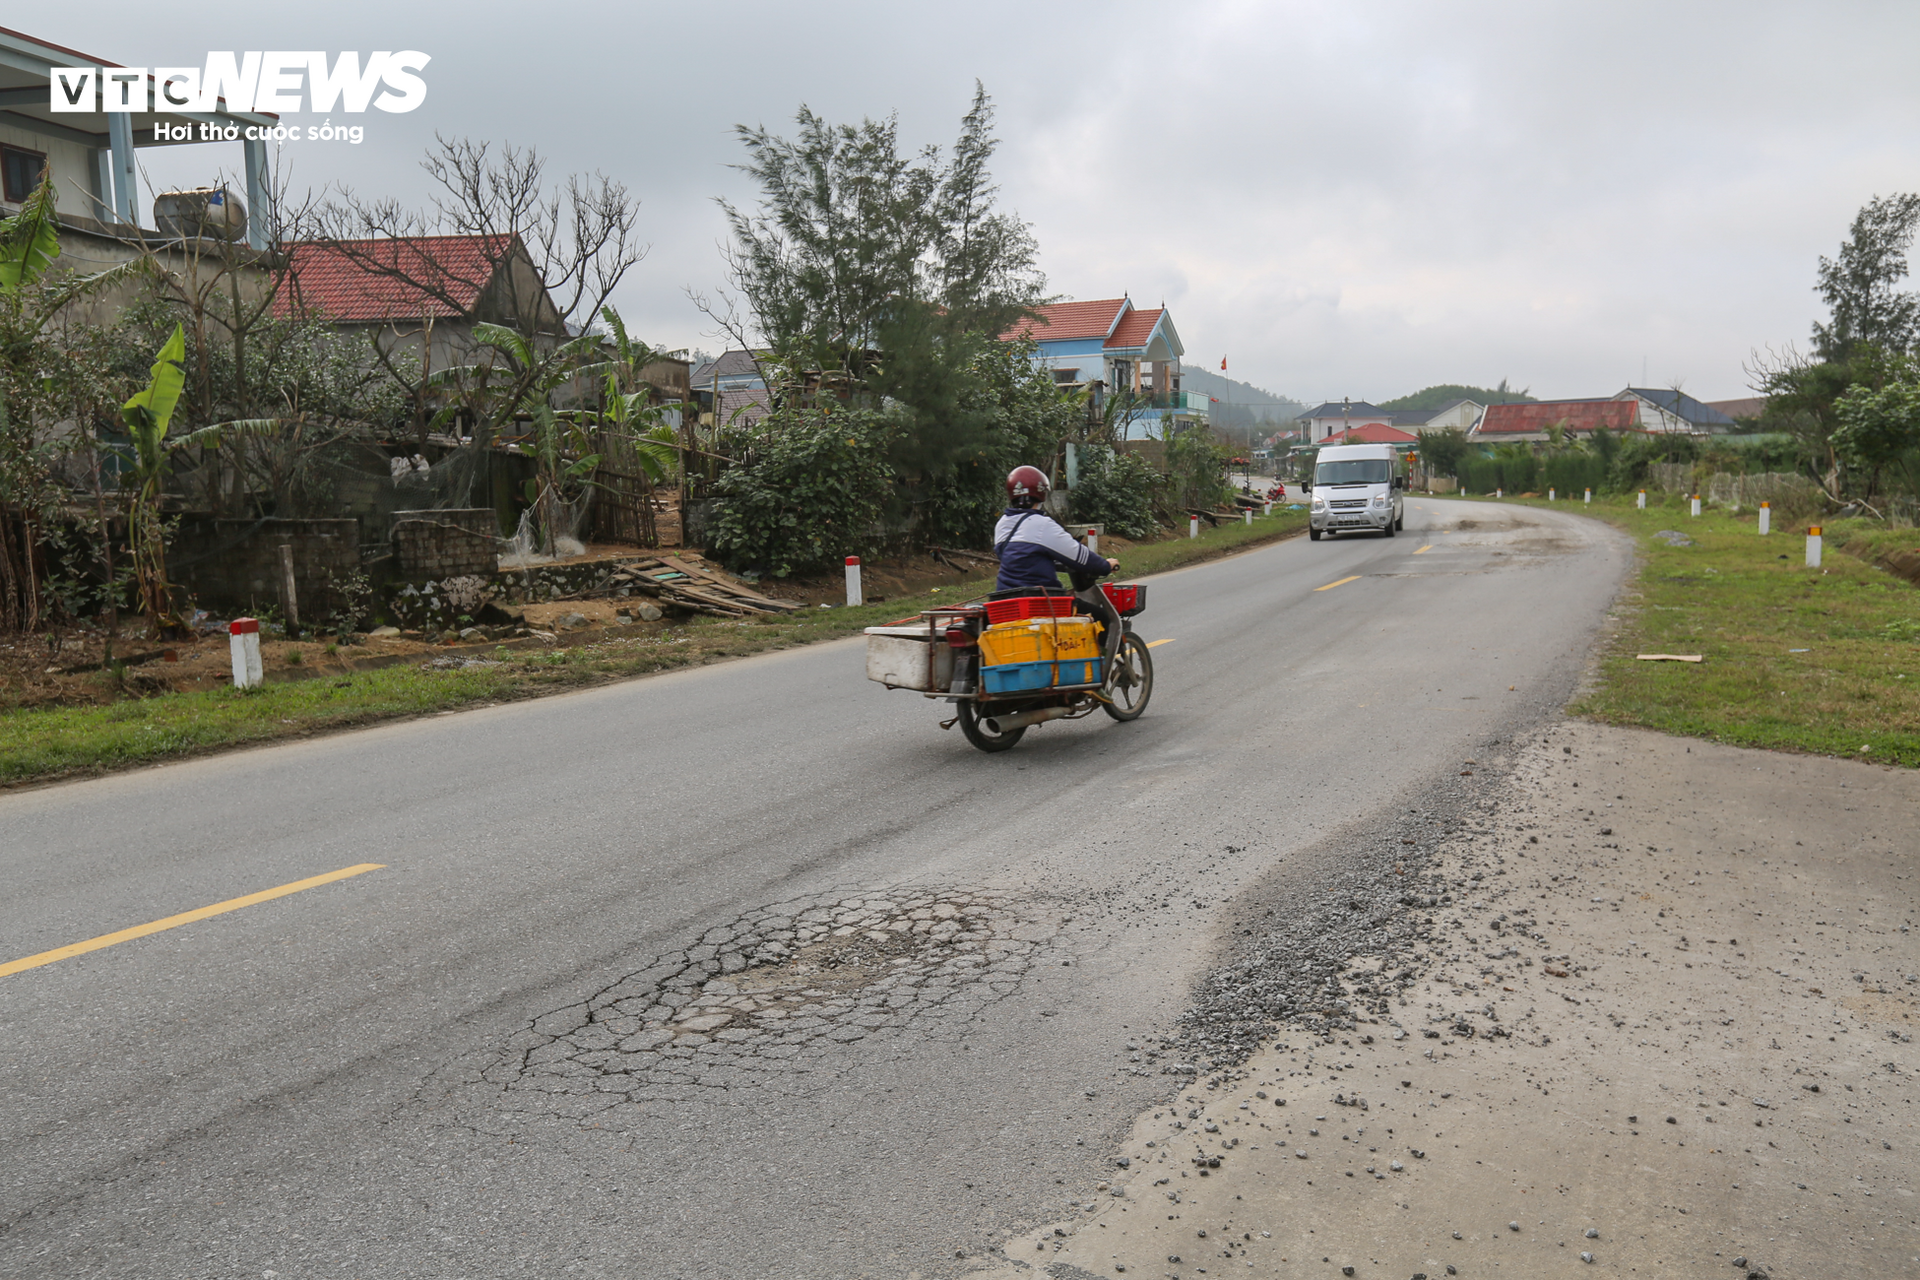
1223	364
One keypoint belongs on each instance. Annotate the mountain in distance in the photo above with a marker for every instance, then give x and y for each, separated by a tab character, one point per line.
1434	397
1240	406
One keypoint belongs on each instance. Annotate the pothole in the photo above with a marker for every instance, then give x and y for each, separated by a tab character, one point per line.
756	1002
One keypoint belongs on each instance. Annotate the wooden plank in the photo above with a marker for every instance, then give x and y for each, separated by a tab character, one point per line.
740	607
713	604
726	586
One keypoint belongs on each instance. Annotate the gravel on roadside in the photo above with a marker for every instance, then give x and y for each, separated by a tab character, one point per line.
1615	999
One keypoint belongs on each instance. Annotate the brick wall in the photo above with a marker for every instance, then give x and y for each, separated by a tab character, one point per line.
233	566
430	545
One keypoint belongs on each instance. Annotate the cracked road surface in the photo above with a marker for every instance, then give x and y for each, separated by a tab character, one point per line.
740	971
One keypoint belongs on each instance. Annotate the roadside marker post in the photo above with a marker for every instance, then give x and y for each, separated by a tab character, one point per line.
1248	513
1642	503
1589	497
1766	519
1268	511
1696	504
853	581
1551	495
243	638
1813	546
1093	539
1499	493
1193	526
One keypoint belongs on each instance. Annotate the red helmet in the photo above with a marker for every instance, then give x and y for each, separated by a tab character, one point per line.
1027	486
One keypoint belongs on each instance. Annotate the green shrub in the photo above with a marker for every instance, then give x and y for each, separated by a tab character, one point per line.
809	491
1196	472
1116	491
1570	473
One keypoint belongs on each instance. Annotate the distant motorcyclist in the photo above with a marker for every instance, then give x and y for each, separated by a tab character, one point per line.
1034	548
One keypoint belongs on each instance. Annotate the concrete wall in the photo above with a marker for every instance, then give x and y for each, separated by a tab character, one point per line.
75	177
233	566
443	544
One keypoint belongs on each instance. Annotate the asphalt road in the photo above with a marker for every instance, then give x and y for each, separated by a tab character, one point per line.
466	1063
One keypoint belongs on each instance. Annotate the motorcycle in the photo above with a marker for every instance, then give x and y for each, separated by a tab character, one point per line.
1020	658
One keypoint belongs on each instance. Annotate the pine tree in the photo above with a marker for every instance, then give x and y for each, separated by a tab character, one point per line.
1859	288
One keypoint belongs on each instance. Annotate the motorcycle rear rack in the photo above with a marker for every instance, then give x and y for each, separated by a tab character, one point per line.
1012	697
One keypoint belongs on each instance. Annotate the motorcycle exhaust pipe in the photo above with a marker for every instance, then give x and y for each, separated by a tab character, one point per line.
1021	719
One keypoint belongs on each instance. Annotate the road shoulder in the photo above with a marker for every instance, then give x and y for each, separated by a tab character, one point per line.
1666	993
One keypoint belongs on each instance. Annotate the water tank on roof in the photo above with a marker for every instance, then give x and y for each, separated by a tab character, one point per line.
213	213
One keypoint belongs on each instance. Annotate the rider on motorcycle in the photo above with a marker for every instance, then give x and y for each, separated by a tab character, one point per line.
1033	549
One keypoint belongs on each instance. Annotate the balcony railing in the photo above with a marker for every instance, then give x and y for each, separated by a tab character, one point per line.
1175	402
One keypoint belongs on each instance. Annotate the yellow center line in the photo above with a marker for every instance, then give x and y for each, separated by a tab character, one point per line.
185	917
1343	582
1428	547
1155	644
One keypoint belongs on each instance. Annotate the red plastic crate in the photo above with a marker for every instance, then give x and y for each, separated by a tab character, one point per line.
1018	607
1127	598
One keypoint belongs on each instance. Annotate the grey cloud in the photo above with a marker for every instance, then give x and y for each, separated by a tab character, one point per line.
1354	198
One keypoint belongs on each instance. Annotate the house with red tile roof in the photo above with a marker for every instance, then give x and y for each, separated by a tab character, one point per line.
1319	426
418	284
1124	350
1373	433
1503	423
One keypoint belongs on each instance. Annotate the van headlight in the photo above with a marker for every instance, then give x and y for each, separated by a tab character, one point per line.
1319	504
1379	499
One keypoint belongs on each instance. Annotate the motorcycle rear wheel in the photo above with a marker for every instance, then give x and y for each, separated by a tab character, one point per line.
1130	681
982	737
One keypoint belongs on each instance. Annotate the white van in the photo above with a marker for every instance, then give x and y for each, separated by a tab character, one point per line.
1355	487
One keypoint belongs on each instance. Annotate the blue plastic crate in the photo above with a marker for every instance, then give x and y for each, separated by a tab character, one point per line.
1079	671
1017	677
1023	677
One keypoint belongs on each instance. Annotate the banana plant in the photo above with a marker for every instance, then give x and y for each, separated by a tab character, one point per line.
30	239
641	424
29	248
148	416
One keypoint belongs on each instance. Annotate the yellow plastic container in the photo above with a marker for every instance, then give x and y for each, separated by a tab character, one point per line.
1039	640
1076	638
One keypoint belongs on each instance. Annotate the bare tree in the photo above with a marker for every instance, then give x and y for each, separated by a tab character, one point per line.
498	245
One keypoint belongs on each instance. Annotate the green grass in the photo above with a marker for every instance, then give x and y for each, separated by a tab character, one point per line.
1897	550
43	744
1746	603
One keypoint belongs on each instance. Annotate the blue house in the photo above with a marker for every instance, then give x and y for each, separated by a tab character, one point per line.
1127	351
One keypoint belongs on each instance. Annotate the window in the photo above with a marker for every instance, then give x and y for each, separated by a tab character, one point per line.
1352	471
20	172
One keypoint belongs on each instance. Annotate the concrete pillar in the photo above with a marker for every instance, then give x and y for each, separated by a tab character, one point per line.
100	183
261	233
126	177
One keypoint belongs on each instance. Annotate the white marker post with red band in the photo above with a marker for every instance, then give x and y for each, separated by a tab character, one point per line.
853	581
243	635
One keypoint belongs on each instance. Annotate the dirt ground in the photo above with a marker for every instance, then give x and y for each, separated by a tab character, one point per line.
1662	1025
60	667
35	672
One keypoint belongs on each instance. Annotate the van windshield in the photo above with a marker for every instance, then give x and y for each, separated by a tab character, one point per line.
1352	471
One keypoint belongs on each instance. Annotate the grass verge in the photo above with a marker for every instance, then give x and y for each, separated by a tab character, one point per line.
42	745
1819	660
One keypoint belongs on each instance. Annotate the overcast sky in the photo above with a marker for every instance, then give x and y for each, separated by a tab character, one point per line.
1355	198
